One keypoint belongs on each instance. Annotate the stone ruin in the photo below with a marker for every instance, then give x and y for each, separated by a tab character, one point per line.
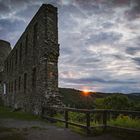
29	72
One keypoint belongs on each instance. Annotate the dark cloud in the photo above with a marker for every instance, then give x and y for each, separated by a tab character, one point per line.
11	26
68	14
132	50
121	2
96	80
66	51
134	12
137	60
4	8
107	25
117	56
97	7
121	89
28	12
9	29
104	38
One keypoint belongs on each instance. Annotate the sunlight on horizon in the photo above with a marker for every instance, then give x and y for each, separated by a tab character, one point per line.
85	91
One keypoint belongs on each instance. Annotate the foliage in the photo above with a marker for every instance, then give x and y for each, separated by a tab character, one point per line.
125	121
99	103
75	99
115	101
135	106
77	117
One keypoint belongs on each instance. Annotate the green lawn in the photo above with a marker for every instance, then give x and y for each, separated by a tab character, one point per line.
8	113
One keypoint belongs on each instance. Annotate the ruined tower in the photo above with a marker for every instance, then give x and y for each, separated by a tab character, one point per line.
31	71
4	51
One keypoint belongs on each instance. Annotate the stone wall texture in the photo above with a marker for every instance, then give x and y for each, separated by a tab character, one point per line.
31	71
4	51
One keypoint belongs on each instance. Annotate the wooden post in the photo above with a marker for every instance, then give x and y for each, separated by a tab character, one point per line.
88	122
105	119
66	118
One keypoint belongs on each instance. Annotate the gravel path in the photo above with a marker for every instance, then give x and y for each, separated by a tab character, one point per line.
37	130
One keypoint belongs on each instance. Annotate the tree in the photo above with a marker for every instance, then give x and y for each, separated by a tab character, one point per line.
99	103
115	101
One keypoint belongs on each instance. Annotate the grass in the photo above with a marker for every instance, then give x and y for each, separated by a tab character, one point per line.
14	133
125	121
8	113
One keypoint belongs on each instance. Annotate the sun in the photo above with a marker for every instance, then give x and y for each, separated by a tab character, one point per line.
85	92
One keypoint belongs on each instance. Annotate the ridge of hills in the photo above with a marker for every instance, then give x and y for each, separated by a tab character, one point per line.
76	98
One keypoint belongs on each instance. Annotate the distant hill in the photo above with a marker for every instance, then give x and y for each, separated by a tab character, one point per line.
75	98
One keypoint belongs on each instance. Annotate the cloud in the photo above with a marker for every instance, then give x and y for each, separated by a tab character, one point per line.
4	8
137	60
104	38
134	12
89	80
99	46
132	50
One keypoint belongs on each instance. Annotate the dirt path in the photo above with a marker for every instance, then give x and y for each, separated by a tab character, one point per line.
37	130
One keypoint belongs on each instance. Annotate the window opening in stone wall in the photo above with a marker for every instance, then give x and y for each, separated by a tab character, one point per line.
20	53
15	85
11	65
11	86
25	82
4	88
12	69
35	35
34	78
7	66
26	45
19	83
7	88
16	57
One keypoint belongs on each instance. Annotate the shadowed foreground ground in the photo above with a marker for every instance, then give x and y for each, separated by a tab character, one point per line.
11	129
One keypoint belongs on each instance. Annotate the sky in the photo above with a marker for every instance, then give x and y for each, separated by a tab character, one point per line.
99	40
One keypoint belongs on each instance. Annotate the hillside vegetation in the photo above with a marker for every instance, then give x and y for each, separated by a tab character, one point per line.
76	98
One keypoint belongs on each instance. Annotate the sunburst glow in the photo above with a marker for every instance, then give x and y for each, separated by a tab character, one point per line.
86	92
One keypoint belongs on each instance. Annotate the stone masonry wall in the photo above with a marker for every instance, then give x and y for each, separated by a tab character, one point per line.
31	71
4	51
